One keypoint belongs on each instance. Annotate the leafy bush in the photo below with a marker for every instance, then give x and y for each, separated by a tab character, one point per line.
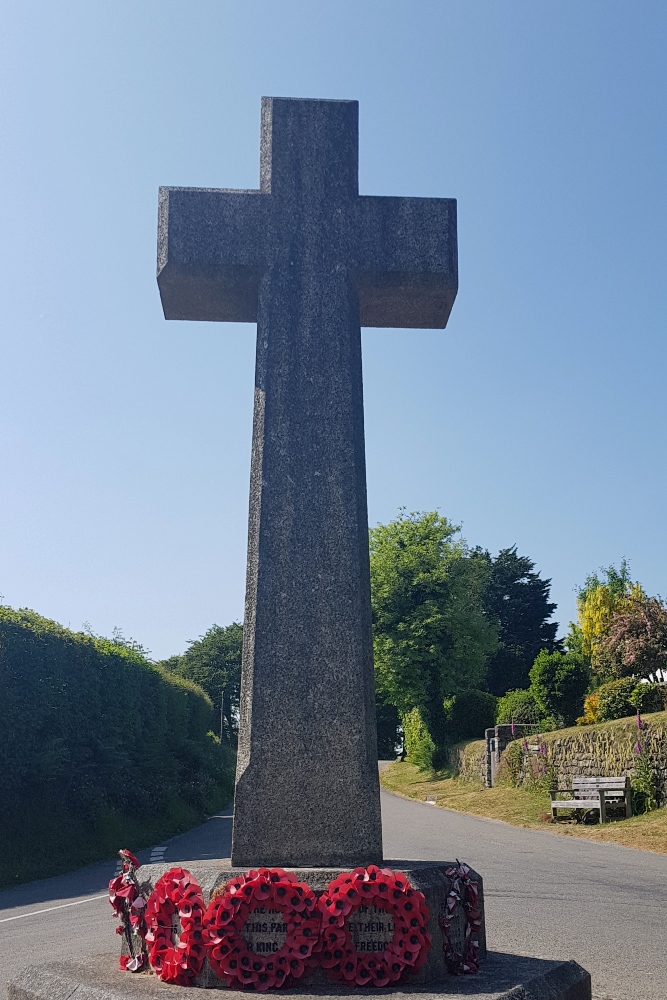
469	714
518	706
512	762
649	698
558	682
615	699
94	735
419	743
591	710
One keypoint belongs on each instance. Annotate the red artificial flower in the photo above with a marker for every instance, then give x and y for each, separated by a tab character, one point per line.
228	953
388	891
176	892
128	857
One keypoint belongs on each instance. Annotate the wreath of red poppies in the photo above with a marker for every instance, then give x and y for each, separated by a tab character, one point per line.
271	889
405	954
129	904
176	893
464	892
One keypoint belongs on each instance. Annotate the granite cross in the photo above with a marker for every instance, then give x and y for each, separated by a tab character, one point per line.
310	261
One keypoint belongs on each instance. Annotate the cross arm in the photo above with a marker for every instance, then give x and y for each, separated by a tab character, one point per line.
406	261
211	253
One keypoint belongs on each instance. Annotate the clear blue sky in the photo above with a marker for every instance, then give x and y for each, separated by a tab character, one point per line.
538	417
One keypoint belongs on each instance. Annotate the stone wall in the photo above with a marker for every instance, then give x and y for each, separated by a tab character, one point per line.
469	761
606	749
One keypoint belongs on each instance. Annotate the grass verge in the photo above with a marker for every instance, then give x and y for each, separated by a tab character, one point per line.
521	807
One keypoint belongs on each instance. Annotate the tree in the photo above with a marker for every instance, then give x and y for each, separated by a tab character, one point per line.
388	729
430	634
469	715
635	641
597	601
516	599
214	663
558	682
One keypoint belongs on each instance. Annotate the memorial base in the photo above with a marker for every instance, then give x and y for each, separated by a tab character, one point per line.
501	977
371	927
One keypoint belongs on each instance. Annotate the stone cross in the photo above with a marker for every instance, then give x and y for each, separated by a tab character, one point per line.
310	261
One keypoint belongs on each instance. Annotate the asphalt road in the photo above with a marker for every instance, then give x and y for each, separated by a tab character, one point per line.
546	896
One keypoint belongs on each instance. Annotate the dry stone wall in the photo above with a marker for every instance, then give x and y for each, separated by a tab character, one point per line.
469	761
608	749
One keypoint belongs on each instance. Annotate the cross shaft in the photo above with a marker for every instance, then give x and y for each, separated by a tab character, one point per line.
310	261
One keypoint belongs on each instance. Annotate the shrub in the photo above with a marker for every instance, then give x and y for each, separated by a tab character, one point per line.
648	698
469	714
559	682
614	699
419	743
512	763
518	706
591	710
644	783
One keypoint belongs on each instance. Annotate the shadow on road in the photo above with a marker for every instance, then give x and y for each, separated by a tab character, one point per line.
213	839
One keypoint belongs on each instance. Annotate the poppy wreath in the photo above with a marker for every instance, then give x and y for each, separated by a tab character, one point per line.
274	889
129	905
464	892
176	893
405	954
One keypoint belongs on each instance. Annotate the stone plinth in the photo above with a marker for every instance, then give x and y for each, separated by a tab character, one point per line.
369	930
502	977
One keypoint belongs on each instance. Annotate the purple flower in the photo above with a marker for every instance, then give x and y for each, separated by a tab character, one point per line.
640	724
638	748
525	744
512	727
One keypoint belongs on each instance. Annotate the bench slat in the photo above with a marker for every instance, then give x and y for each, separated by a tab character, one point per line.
599	781
576	803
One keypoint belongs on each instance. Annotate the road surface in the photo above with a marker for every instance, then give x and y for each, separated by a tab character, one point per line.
546	895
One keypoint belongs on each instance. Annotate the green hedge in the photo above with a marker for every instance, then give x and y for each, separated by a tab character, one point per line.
419	745
469	714
620	698
96	743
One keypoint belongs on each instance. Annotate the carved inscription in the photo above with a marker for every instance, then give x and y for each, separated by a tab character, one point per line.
371	928
265	931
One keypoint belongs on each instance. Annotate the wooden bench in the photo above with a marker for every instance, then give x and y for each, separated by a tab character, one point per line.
594	793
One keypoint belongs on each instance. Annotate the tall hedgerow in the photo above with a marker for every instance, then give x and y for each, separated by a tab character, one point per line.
95	739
